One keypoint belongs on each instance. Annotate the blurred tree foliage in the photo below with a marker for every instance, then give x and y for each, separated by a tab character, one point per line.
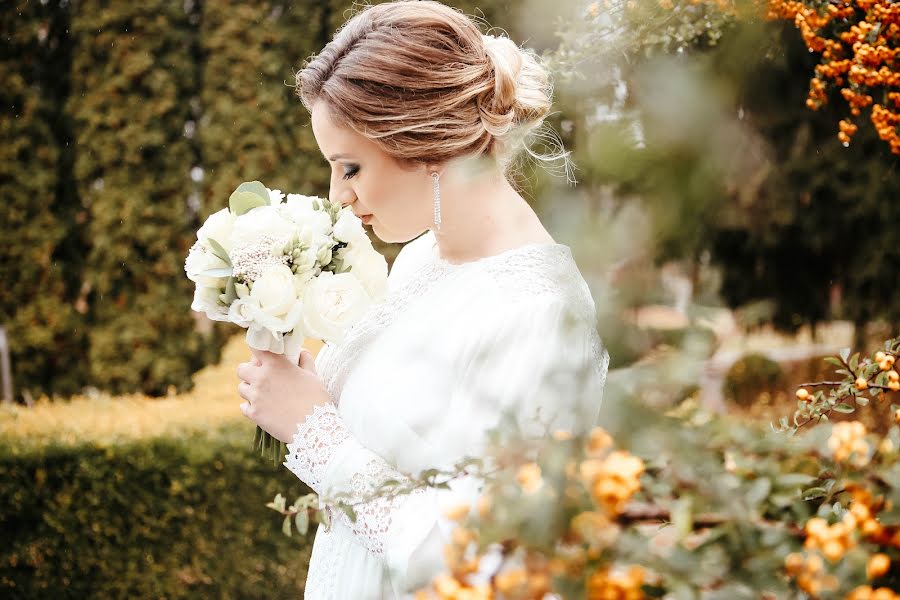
698	115
132	77
41	250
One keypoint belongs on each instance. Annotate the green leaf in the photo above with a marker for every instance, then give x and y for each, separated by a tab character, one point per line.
833	361
242	202
254	187
794	479
219	251
301	520
230	291
845	353
844	408
286	526
814	492
216	272
854	362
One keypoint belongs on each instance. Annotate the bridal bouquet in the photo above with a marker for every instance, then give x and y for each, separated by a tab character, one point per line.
285	269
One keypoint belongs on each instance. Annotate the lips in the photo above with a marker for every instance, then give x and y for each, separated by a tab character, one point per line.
365	219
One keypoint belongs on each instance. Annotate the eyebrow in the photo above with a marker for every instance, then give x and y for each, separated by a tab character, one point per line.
334	157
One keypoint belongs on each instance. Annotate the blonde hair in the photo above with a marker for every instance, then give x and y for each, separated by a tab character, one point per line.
419	78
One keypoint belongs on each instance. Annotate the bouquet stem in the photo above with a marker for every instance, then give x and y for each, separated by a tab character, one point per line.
264	443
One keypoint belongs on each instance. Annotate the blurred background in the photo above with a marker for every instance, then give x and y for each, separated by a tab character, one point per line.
727	233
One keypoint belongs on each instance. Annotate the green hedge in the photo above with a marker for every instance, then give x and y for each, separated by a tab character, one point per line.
41	269
133	77
178	517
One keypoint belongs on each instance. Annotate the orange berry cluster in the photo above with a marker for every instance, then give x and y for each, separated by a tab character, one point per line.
612	481
848	438
859	60
613	584
866	592
832	540
809	573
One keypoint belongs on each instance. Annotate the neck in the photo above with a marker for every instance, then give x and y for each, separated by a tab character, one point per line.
480	215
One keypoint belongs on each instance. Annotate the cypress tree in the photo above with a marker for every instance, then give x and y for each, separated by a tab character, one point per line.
40	263
133	78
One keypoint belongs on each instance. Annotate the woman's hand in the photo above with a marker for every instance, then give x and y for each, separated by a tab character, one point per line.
278	394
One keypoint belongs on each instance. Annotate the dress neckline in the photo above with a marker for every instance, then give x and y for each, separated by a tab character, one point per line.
531	246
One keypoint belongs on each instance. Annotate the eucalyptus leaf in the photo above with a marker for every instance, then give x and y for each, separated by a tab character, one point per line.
814	492
219	251
242	202
254	187
217	272
301	520
844	408
230	291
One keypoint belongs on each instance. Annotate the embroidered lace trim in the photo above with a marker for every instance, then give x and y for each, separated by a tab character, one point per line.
374	517
314	444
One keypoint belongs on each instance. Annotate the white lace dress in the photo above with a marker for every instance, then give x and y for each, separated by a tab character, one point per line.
419	381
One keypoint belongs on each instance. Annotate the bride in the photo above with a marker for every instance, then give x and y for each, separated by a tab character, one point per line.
419	116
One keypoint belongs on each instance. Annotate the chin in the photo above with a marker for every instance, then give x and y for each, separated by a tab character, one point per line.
392	237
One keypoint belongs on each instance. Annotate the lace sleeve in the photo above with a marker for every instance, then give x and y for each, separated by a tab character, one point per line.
319	440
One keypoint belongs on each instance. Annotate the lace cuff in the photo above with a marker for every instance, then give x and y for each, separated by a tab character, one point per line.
314	445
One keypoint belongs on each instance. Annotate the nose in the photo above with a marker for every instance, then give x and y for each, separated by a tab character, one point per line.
340	192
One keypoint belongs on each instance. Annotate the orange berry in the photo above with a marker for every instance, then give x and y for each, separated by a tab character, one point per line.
878	565
802	394
861	383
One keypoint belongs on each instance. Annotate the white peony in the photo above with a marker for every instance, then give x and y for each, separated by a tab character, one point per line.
206	300
218	227
349	227
368	265
201	259
261	221
279	308
332	304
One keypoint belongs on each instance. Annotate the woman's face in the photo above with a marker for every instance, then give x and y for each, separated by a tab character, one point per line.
371	182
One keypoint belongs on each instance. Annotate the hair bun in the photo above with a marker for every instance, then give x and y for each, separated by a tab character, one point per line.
521	91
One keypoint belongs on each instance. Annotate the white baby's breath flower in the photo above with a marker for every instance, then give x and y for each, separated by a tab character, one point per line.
253	259
331	304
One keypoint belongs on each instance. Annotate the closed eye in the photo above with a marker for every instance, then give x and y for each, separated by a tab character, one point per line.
351	171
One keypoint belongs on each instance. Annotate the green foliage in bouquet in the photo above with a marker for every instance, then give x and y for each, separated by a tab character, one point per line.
132	76
162	517
40	257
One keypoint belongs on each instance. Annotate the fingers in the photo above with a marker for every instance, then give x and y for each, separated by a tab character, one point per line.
245	371
307	361
245	390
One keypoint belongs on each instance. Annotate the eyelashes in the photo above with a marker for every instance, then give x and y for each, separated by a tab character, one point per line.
351	172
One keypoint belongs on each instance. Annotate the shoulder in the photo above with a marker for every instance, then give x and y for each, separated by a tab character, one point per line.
542	279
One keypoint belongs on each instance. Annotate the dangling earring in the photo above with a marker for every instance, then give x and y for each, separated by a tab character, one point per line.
437	199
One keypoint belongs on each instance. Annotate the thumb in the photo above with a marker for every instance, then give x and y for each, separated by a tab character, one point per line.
306	361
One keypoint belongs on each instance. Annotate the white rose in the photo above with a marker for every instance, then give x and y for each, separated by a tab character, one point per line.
332	304
275	196
348	227
200	259
367	265
218	227
206	300
244	311
259	222
278	301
